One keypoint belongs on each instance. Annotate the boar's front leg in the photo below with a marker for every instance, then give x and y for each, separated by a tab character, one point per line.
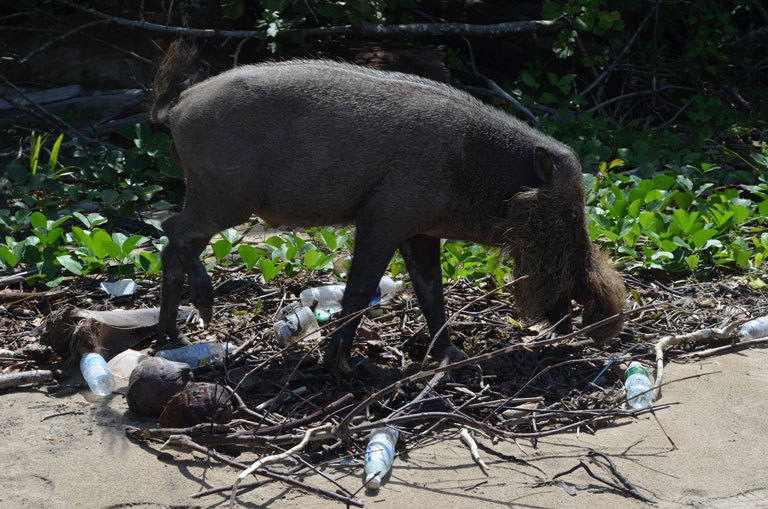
182	256
422	258
375	243
188	234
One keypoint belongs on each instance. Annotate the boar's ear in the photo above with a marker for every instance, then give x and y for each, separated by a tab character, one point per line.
543	165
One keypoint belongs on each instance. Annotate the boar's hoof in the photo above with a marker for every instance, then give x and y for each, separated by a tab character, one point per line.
206	313
453	354
607	332
336	358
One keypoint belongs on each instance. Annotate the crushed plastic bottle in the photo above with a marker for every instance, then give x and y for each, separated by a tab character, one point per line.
386	290
328	300
96	372
197	355
329	297
753	329
298	322
123	363
638	385
379	455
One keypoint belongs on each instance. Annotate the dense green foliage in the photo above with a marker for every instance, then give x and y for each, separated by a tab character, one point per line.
665	103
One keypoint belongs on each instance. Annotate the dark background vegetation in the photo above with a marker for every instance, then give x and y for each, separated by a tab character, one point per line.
665	102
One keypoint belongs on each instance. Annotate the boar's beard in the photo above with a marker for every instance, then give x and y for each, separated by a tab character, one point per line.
560	262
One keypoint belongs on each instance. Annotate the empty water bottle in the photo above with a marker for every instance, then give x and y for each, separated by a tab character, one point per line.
638	385
753	329
124	363
197	355
297	323
327	299
379	455
387	289
97	373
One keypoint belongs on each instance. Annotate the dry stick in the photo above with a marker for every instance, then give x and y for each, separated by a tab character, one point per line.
632	492
342	429
467	439
628	485
243	487
38	376
500	91
60	38
734	346
363	29
692	337
271	459
508	457
319	414
183	441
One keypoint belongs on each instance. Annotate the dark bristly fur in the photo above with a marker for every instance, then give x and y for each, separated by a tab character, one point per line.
406	159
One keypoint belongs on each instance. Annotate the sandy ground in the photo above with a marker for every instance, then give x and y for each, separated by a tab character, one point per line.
83	459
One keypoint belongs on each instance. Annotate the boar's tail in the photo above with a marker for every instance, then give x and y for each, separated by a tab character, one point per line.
170	77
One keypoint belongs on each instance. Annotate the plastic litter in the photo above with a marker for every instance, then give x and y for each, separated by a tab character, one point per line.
379	455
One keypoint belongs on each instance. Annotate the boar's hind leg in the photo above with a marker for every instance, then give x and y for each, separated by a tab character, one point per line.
374	247
422	258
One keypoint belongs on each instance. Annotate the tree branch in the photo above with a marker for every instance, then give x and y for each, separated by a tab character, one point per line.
363	30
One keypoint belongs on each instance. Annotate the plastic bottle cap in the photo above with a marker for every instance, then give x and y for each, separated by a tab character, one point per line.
373	480
633	368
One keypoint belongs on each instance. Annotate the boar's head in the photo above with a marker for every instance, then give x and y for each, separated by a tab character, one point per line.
546	234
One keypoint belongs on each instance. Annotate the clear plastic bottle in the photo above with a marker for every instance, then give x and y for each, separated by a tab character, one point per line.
96	372
297	323
329	297
379	455
753	329
197	355
638	385
387	289
124	363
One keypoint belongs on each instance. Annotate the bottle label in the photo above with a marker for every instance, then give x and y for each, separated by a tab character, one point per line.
636	369
87	361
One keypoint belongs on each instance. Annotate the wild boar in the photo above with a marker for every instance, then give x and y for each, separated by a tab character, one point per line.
407	160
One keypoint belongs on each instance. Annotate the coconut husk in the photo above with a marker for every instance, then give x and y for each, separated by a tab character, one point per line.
153	382
197	403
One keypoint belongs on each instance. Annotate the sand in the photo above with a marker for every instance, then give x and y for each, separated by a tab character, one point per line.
718	424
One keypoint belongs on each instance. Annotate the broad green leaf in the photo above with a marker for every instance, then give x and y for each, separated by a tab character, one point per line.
692	261
269	270
250	255
70	264
8	257
38	220
130	244
646	218
702	236
740	213
232	235
221	248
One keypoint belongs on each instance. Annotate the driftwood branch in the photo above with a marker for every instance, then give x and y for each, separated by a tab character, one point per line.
692	337
25	377
368	30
